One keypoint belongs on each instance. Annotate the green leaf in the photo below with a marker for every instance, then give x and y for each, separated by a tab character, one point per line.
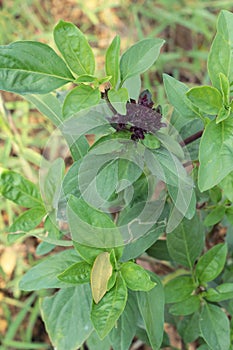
122	335
43	275
94	343
48	105
214	326
225	88
74	47
178	289
31	67
28	220
207	98
112	61
159	250
96	229
50	183
19	190
226	186
215	216
211	263
100	274
223	114
151	306
188	327
222	292
118	99
186	242
136	277
186	307
67	317
139	57
176	94
105	314
221	63
133	85
77	273
150	141
81	97
215	157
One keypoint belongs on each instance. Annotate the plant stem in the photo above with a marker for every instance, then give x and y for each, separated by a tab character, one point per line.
105	97
191	138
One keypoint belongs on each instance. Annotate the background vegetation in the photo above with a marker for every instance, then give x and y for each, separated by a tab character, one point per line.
187	26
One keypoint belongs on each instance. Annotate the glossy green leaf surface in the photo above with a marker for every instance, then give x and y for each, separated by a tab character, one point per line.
81	97
74	47
211	263
43	275
151	306
136	278
112	58
215	157
186	242
68	329
77	273
207	98
214	326
28	220
178	289
105	314
100	274
19	190
23	71
139	57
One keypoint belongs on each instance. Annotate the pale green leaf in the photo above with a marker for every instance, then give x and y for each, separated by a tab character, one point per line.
207	98
112	58
100	274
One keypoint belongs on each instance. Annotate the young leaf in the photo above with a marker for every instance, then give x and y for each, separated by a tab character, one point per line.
207	98
77	273
118	99
68	329
176	94
28	220
100	274
186	307
225	88
136	277
122	335
105	314
81	97
223	114
178	289
31	67
151	306
186	242
222	43
215	216
43	275
139	57
112	61
222	292
214	326
211	263
74	47
19	190
215	157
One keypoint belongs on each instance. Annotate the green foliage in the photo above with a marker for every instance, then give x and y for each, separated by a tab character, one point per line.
135	183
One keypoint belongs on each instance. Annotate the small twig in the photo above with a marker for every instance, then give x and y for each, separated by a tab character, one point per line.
191	138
